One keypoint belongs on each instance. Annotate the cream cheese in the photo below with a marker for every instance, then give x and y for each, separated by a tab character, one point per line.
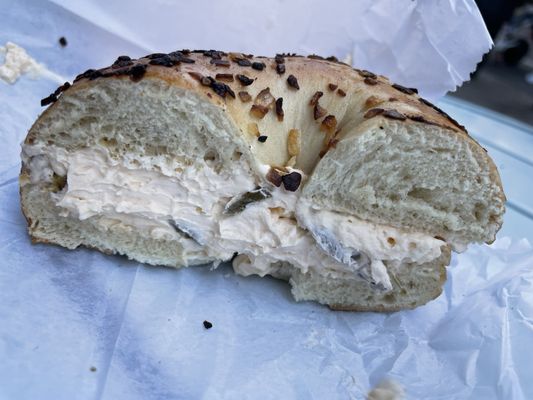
161	198
17	62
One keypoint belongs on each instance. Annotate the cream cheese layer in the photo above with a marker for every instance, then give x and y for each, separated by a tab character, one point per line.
162	198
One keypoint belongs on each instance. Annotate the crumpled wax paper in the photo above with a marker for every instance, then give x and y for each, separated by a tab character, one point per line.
83	325
432	45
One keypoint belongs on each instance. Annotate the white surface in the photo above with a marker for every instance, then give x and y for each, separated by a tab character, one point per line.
63	312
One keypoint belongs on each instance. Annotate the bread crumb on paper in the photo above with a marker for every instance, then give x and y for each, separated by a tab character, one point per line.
386	390
18	62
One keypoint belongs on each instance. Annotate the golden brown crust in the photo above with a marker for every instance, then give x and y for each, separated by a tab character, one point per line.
315	71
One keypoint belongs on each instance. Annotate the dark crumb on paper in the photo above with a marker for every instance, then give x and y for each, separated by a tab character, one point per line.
63	41
208	325
262	138
92	369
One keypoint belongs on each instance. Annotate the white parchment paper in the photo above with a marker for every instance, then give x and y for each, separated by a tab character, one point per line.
83	325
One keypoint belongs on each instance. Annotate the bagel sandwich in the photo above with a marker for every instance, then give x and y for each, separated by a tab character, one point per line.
353	189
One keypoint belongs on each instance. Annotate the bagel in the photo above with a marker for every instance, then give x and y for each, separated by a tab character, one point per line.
353	189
